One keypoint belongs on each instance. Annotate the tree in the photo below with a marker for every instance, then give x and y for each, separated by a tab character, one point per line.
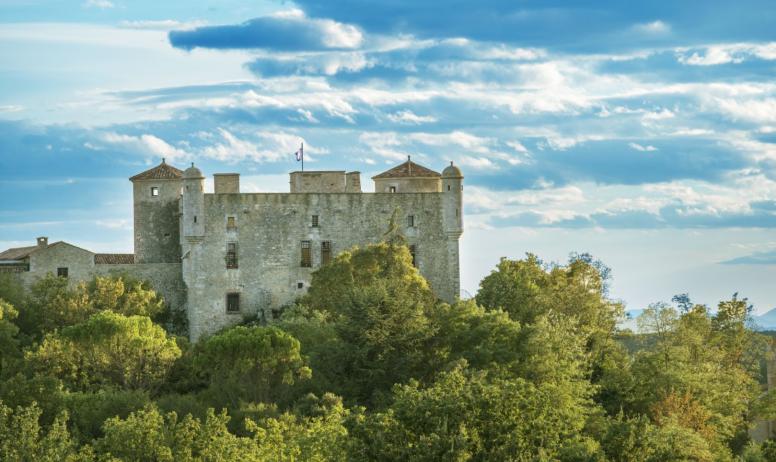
252	364
149	436
467	415
379	305
108	349
54	303
9	343
319	437
23	439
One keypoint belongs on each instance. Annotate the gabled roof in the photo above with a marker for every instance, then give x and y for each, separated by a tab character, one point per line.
114	259
408	169
162	171
18	253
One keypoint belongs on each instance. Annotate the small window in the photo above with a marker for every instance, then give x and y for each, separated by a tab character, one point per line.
448	187
325	252
195	218
233	302
307	261
392	189
410	221
154	191
230	223
315	221
300	285
456	212
231	255
62	272
414	255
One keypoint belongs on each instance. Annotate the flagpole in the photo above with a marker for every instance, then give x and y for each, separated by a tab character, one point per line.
302	150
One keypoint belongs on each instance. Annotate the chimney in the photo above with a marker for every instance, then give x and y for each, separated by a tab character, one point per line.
226	183
43	242
353	182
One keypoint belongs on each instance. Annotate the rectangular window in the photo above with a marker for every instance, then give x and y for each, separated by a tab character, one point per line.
315	221
154	191
414	254
231	255
325	252
410	221
231	223
62	272
392	189
307	260
233	302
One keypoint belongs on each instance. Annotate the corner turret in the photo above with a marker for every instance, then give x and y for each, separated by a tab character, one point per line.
452	188
193	203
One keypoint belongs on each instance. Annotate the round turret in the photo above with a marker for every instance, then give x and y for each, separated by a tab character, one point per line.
193	202
192	173
451	171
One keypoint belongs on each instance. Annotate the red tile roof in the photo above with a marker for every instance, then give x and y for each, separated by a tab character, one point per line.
114	259
408	169
162	171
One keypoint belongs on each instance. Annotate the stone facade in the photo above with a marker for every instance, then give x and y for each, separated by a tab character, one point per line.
228	255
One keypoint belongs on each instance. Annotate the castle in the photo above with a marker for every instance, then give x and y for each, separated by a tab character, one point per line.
227	255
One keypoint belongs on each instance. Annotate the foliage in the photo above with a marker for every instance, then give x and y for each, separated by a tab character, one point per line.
108	349
55	303
253	364
369	365
149	436
23	439
379	306
467	415
317	437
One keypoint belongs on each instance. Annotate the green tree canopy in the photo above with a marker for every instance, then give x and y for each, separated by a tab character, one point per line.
108	349
251	364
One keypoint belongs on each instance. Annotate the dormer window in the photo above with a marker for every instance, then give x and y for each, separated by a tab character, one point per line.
154	191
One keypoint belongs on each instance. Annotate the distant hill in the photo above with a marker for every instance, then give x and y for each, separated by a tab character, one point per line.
766	321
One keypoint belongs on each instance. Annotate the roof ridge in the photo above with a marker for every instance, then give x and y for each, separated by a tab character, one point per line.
163	171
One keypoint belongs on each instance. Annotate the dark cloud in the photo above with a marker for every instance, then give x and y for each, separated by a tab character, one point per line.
561	24
282	33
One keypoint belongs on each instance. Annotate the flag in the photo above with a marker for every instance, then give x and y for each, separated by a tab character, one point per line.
299	153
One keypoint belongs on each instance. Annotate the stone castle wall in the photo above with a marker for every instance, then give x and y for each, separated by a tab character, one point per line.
269	231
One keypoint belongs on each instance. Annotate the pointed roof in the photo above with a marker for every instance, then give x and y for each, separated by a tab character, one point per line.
408	169
162	171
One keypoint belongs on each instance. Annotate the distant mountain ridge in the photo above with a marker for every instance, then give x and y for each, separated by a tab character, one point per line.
766	321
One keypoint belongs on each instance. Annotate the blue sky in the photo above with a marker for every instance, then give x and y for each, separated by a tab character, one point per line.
642	133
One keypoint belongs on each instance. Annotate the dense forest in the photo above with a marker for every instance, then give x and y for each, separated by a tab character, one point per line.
370	365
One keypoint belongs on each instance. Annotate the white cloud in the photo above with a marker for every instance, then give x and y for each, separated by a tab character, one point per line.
101	4
145	144
643	148
269	147
409	117
479	163
333	34
11	108
653	28
164	24
726	53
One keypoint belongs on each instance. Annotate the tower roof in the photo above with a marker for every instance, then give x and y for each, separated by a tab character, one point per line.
162	171
452	171
408	169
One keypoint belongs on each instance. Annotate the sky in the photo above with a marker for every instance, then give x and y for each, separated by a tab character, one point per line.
643	133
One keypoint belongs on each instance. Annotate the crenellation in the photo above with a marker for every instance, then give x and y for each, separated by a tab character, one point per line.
198	247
